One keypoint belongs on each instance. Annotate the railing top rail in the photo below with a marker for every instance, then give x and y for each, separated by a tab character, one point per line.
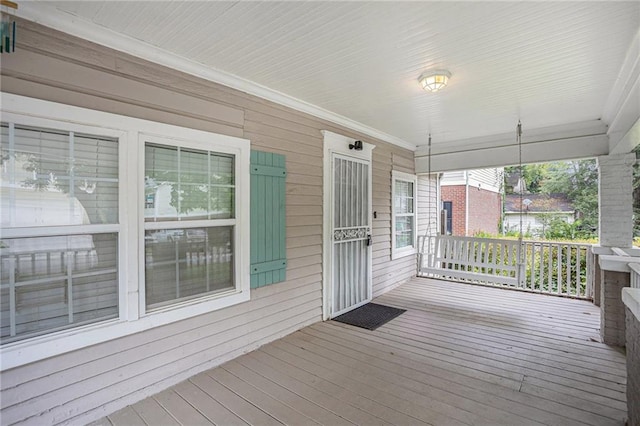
559	243
503	240
474	239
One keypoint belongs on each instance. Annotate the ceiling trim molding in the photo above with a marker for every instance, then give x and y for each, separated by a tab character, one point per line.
563	142
51	17
622	109
541	134
628	76
533	152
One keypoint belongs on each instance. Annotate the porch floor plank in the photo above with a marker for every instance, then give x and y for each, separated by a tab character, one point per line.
460	355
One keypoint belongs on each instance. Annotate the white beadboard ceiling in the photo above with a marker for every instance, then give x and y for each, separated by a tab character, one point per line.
545	63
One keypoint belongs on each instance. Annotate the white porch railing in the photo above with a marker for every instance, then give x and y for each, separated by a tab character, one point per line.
541	266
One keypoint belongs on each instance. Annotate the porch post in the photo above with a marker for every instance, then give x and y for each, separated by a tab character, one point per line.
615	173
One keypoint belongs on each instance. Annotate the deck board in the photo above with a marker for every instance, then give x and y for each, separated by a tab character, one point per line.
460	355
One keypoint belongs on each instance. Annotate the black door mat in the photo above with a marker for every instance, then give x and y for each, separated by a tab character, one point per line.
369	316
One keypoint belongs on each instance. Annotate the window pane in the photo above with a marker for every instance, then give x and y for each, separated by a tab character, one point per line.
184	263
53	283
186	184
403	197
404	231
52	178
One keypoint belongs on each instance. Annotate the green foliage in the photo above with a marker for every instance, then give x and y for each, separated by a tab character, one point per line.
551	269
578	180
533	174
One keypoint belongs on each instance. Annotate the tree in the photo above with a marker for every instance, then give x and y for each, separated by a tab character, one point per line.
579	181
533	174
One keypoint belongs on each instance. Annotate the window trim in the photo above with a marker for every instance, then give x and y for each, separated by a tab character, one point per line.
206	145
397	253
128	130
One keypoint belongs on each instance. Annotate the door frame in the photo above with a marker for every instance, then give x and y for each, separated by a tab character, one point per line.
339	144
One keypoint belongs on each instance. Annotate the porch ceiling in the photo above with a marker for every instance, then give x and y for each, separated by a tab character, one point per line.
545	63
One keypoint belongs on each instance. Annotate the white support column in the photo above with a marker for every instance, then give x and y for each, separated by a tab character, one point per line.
615	199
616	230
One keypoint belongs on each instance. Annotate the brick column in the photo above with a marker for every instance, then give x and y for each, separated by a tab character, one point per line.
615	178
631	298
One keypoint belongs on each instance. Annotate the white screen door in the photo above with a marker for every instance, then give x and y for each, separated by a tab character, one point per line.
351	234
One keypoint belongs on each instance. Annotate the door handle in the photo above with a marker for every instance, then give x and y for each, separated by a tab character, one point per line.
369	242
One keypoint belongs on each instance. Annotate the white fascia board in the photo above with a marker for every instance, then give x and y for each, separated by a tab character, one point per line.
529	136
622	110
51	17
532	152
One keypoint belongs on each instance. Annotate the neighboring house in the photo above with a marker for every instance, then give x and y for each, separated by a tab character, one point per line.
537	212
472	200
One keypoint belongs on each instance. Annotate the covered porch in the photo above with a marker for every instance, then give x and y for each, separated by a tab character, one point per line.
461	354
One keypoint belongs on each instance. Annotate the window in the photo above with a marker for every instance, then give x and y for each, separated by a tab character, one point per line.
59	230
109	230
447	207
403	214
189	224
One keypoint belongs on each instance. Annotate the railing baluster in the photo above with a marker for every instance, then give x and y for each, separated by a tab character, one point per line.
532	280
70	266
498	262
578	268
550	268
541	271
12	295
568	261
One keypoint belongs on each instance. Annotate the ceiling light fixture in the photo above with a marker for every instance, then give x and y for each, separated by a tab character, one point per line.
434	80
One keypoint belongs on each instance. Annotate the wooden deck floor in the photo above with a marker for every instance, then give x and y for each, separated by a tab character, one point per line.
460	355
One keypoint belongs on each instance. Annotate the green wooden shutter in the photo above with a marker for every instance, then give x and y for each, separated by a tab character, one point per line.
268	236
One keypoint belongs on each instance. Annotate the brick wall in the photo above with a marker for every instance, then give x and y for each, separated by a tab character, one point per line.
485	209
615	180
615	173
633	368
612	317
457	195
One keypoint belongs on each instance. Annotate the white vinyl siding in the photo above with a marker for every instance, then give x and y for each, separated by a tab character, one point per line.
404	191
88	381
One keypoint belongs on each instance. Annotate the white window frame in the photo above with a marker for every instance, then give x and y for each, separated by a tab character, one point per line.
397	253
131	134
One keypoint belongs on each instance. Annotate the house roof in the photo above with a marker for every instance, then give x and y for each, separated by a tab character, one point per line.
539	203
357	63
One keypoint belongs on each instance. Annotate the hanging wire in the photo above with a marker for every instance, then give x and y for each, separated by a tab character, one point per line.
430	185
521	254
428	227
520	174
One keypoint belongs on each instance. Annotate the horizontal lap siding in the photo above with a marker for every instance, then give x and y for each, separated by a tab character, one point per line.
86	384
387	273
